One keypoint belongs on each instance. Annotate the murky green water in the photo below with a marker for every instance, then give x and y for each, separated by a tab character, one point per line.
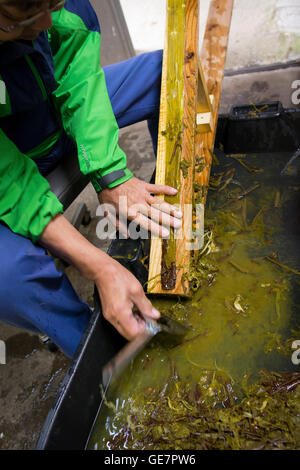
244	314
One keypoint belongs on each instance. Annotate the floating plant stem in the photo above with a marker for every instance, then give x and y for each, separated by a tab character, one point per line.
239	267
283	266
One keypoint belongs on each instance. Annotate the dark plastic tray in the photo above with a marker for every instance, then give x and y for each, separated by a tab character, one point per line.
274	130
265	110
72	415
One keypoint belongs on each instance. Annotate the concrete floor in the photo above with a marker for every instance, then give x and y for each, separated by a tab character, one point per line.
30	379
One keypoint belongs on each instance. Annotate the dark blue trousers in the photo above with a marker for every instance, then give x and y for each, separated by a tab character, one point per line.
33	294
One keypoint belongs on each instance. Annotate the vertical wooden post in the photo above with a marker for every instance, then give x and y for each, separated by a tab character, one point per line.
191	89
169	259
212	60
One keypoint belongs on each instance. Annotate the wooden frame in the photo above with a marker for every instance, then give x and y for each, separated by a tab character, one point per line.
212	59
189	108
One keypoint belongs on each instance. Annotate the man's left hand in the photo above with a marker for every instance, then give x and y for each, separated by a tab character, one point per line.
142	206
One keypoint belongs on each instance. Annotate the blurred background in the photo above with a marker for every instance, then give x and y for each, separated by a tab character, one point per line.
262	31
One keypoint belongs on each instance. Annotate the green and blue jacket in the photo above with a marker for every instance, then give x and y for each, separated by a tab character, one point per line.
54	90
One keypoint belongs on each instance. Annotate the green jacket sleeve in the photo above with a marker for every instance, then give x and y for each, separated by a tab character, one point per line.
82	98
26	203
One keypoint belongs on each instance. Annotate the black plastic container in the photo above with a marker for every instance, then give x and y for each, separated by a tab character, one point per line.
72	415
273	129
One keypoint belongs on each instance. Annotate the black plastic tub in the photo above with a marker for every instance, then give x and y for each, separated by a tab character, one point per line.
73	413
71	417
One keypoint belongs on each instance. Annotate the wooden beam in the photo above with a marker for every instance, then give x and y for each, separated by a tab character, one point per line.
187	135
212	58
169	259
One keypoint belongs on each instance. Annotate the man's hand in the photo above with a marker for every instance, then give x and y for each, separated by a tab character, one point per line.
142	206
119	293
118	289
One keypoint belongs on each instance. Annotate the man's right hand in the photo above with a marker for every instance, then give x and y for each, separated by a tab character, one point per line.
118	289
119	293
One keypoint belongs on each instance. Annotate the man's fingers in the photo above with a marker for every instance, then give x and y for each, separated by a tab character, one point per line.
136	209
145	307
157	215
164	206
151	226
128	325
161	189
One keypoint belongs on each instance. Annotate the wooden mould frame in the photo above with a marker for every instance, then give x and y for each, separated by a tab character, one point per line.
190	97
